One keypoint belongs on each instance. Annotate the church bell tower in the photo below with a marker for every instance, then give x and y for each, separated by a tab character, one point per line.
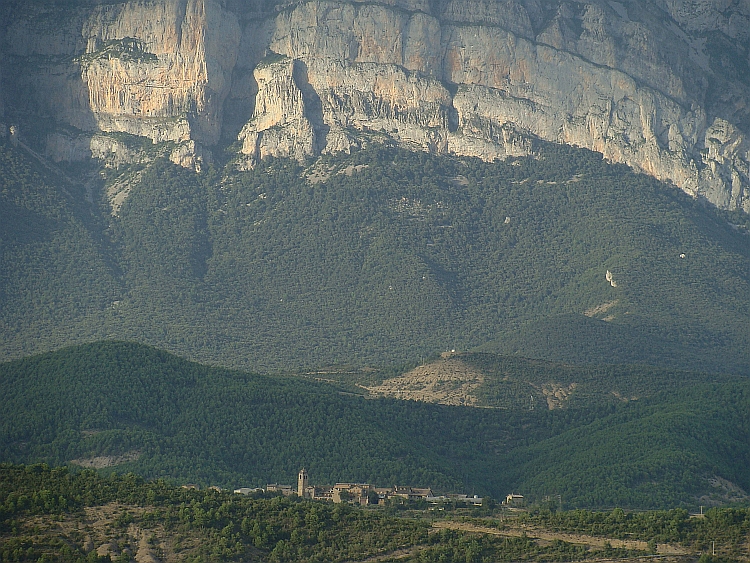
302	482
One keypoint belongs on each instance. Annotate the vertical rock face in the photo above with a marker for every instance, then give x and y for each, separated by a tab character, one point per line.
279	126
609	77
157	69
662	86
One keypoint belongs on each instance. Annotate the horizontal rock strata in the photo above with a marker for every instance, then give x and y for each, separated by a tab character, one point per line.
661	86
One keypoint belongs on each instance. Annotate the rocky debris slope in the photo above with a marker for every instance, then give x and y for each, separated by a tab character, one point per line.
662	86
448	381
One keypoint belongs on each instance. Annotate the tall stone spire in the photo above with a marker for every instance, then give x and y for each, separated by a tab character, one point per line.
302	482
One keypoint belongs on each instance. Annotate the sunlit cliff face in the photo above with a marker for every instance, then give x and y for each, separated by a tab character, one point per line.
657	86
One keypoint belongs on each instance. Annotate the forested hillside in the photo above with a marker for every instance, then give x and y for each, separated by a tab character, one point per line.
127	407
377	257
57	273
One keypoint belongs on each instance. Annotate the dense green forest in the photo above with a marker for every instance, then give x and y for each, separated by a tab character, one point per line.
56	515
378	257
161	416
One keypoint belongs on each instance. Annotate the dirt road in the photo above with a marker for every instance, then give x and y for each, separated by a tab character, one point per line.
546	535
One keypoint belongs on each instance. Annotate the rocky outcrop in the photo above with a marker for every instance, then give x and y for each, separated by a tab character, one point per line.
280	125
662	86
168	73
113	152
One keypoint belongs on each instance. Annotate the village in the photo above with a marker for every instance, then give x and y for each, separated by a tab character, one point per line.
365	494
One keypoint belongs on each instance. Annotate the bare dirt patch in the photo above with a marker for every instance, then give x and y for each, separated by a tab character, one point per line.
448	381
557	394
100	462
145	546
121	532
100	531
601	309
392	556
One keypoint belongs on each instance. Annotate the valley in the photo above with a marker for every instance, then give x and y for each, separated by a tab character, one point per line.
415	247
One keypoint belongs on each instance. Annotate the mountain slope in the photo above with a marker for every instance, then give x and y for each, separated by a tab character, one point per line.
637	452
58	276
127	407
386	253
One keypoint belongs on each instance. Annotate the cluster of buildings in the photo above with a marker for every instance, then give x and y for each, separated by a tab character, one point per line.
360	493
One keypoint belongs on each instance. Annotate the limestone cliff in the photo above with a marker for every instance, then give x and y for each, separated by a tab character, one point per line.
280	125
662	86
157	69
